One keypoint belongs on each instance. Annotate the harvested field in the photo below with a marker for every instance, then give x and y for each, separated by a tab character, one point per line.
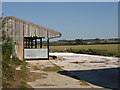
105	49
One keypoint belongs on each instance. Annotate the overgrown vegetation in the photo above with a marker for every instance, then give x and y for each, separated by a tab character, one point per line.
8	64
11	78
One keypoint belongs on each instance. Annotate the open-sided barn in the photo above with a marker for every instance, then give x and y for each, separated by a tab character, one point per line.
27	35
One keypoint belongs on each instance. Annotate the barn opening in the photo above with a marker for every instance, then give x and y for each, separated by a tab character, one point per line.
34	49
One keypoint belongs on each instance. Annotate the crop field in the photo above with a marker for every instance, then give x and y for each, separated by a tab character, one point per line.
100	49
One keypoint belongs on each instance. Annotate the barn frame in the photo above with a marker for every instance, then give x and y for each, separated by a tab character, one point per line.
26	34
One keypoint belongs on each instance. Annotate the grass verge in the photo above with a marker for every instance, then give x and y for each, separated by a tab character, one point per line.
23	77
13	78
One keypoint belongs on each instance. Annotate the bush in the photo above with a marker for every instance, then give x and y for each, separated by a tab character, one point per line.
7	49
6	67
8	64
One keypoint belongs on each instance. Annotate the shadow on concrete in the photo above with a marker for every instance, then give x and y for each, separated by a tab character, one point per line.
107	78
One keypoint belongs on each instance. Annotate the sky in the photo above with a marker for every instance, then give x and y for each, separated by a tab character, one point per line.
75	20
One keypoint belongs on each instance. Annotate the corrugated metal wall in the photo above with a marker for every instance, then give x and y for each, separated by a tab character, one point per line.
31	29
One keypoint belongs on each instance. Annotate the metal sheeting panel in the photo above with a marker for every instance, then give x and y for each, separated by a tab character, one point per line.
25	30
35	53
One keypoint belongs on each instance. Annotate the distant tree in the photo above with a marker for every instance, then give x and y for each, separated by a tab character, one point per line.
97	39
78	41
62	40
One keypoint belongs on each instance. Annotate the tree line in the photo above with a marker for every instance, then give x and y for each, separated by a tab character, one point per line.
85	42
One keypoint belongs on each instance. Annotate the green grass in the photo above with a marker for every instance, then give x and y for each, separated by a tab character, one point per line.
106	49
9	70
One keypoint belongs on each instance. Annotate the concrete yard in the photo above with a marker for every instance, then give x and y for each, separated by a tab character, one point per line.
97	70
51	79
78	71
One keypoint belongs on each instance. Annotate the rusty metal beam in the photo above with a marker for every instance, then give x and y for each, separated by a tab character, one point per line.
26	42
35	43
40	42
48	47
31	43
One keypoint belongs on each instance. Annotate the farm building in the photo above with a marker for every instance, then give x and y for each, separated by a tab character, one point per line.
29	38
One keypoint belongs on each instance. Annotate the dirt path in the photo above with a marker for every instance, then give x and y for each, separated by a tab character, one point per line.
46	78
